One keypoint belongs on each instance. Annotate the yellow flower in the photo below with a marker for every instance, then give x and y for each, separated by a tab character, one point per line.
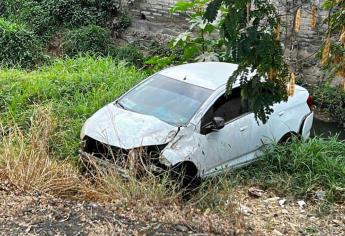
325	52
292	84
298	20
313	19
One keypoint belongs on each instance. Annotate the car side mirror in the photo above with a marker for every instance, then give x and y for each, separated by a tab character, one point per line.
218	123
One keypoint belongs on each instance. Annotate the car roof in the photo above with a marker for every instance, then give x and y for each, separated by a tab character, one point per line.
209	75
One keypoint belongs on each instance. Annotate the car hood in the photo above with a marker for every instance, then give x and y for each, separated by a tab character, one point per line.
125	129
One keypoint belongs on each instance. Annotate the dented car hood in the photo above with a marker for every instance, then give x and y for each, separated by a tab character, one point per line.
126	129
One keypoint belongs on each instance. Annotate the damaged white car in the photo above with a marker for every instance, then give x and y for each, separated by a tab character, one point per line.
181	117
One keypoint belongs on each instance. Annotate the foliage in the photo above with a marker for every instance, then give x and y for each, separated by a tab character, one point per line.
74	88
157	63
244	32
125	21
333	51
85	24
19	46
47	16
130	54
87	39
162	57
201	38
301	169
331	99
61	12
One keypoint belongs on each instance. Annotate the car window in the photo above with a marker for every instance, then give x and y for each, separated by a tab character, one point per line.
169	100
228	107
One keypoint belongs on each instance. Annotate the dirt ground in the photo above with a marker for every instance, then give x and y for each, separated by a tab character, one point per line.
33	214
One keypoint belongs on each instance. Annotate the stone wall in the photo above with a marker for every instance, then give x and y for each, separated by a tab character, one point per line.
300	48
156	10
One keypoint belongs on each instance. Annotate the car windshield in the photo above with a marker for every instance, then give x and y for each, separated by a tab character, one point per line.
169	100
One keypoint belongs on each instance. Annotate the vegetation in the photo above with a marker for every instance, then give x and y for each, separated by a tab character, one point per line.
67	27
248	32
130	54
88	39
74	89
302	169
48	15
332	100
333	50
20	46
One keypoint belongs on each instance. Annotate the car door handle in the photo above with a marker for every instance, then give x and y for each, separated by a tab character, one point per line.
281	113
243	128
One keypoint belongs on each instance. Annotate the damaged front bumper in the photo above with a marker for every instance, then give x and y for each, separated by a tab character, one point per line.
134	166
102	165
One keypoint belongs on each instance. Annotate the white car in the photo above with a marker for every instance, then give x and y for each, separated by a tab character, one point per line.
181	117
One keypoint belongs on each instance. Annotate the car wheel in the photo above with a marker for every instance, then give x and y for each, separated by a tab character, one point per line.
185	176
287	138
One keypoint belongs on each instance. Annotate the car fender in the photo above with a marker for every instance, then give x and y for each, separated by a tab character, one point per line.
306	125
184	147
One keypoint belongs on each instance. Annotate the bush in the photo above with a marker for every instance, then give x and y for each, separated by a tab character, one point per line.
331	99
74	88
130	54
88	39
19	46
45	15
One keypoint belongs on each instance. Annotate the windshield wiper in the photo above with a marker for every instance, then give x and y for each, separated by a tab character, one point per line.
120	105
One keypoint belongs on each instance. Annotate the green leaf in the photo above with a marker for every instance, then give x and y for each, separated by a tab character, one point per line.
212	10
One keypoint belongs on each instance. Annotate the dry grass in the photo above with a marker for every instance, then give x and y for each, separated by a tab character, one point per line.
27	162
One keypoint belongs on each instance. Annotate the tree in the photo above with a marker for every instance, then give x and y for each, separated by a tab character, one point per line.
250	30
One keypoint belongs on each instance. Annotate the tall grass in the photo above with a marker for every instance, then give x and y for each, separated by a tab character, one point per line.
74	88
300	168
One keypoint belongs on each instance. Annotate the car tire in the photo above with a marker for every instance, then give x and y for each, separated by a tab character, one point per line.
185	176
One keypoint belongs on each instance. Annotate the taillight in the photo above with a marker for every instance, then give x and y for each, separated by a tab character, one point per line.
310	102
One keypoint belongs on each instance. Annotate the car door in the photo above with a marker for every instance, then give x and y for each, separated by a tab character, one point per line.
227	147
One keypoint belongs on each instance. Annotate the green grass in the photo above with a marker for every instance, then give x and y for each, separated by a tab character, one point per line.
75	88
300	168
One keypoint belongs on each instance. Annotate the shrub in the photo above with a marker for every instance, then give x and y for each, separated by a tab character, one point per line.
130	54
45	15
125	21
19	46
88	39
331	99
